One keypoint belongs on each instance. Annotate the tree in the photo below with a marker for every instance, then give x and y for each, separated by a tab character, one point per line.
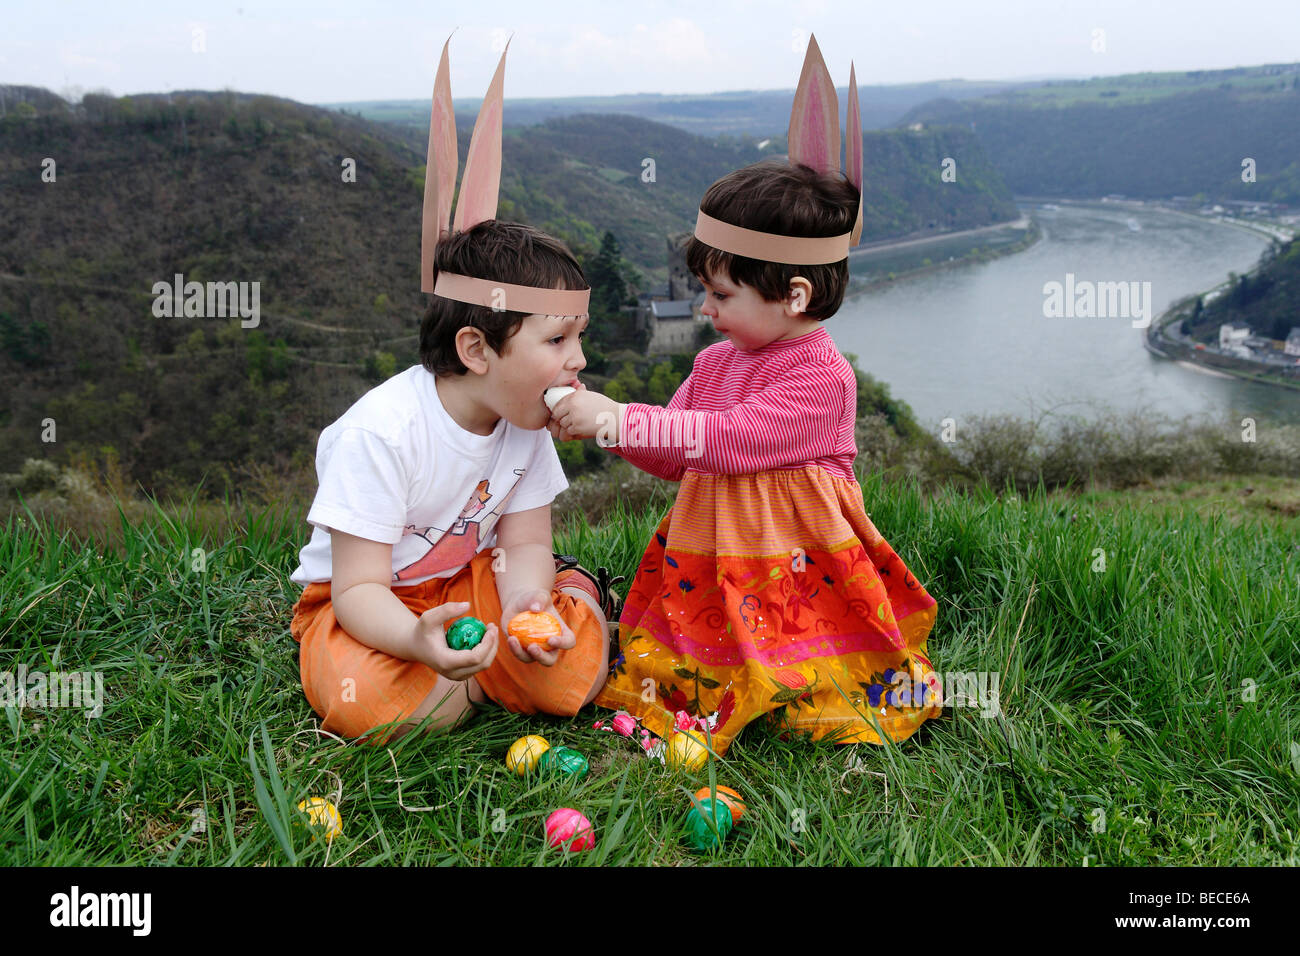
608	272
608	288
380	366
27	345
1241	294
663	383
626	386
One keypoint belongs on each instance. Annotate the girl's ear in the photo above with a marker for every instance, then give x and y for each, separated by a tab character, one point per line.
800	295
472	349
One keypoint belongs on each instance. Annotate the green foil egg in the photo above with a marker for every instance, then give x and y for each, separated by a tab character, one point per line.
565	759
465	634
698	830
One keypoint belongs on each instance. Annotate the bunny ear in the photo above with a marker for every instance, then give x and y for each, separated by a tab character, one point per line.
853	150
815	118
440	173
482	179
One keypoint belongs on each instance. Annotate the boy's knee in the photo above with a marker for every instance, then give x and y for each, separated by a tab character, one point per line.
603	629
591	602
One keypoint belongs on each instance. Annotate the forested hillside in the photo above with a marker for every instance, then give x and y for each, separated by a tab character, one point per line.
1144	140
1268	301
101	201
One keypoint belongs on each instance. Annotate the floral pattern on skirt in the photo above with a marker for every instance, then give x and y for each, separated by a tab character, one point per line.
772	595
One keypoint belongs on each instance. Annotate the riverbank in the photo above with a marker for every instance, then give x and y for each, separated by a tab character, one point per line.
880	264
1276	229
1164	339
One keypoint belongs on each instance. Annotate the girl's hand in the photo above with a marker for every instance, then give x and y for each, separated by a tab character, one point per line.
558	433
538	601
586	414
431	643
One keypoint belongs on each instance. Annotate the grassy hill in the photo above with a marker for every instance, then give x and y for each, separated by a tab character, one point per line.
1143	716
1145	136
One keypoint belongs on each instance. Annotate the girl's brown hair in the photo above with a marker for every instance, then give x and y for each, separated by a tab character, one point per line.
505	251
789	200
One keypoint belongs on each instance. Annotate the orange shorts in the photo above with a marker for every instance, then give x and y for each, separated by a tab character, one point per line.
385	688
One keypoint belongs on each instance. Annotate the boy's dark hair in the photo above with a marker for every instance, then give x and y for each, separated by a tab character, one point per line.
504	251
789	200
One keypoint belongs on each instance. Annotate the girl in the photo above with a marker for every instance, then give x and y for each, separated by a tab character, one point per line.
766	590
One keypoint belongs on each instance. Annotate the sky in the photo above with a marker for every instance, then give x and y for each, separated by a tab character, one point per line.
323	52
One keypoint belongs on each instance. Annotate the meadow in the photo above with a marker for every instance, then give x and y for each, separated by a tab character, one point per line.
1146	647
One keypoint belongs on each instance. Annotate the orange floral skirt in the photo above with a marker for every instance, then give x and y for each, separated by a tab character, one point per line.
773	595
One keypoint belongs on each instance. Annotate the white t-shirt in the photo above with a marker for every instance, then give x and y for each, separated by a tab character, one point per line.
396	468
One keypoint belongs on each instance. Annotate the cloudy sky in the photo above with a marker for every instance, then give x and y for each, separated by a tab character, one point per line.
322	51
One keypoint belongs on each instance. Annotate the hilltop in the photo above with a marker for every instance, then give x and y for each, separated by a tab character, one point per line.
752	114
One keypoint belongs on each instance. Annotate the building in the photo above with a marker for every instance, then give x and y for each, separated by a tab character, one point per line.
674	326
1292	345
1233	335
673	315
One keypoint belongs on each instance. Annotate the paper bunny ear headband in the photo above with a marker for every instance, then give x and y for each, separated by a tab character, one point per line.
814	141
478	202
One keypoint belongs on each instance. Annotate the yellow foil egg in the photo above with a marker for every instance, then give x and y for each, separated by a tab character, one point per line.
322	815
685	751
523	753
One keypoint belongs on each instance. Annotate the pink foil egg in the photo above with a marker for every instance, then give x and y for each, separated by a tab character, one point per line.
568	829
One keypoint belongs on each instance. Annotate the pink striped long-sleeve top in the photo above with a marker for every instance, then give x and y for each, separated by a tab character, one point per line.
786	405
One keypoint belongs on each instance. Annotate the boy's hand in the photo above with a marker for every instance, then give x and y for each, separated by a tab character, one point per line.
586	414
536	601
431	643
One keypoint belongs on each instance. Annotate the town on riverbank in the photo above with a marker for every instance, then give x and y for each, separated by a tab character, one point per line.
1244	326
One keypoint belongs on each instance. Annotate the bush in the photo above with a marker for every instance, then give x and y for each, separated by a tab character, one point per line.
37	475
596	495
380	366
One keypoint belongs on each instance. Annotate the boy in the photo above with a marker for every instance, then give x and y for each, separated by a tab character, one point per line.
434	503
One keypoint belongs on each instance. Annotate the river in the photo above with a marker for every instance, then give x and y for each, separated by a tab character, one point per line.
974	339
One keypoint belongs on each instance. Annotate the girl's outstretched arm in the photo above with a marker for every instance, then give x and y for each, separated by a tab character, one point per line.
592	415
670	469
804	415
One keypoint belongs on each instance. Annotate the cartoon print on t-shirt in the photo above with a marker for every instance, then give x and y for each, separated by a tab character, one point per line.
454	547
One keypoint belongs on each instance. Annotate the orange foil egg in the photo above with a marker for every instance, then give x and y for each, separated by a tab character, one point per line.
730	798
533	627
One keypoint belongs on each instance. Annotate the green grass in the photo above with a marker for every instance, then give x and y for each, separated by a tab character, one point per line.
1121	692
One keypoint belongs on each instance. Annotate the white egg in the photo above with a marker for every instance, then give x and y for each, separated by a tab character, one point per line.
553	395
